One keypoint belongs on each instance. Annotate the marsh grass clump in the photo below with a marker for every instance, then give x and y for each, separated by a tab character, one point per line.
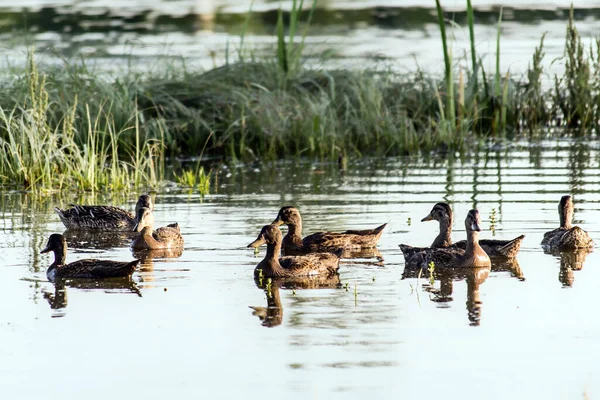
70	126
40	151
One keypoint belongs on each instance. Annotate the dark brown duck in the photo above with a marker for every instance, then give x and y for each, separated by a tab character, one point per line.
102	218
89	268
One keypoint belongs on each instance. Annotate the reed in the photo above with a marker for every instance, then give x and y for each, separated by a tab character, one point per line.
74	127
41	152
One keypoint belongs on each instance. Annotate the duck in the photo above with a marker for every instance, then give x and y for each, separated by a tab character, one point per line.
473	256
89	268
442	213
294	244
102	218
274	266
167	237
567	236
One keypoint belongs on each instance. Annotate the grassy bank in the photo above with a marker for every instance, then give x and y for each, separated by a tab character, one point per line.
68	126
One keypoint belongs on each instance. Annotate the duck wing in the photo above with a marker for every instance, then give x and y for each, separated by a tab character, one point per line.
329	241
551	238
98	269
575	238
496	248
96	217
311	264
169	234
446	257
409	251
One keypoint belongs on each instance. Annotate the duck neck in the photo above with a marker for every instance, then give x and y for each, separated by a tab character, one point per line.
472	241
444	238
60	256
566	218
295	231
272	258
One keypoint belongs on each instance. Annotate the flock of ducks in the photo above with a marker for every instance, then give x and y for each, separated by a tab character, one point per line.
292	255
109	219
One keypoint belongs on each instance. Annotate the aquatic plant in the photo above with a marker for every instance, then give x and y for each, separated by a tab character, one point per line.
40	154
194	179
431	269
71	126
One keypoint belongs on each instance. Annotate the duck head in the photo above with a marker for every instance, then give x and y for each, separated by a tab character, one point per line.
57	244
288	215
144	218
268	235
144	200
473	221
440	212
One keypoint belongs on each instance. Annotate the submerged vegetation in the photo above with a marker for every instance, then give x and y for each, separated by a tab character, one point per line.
68	126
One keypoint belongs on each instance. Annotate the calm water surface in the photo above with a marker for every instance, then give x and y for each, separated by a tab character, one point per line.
184	326
394	34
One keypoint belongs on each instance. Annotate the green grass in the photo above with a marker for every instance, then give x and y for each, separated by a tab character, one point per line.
71	127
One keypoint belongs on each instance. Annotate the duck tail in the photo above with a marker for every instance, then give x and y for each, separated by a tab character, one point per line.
409	251
130	267
511	248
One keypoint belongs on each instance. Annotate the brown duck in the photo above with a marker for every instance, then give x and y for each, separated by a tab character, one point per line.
442	213
167	237
567	236
102	218
472	256
90	268
273	266
294	244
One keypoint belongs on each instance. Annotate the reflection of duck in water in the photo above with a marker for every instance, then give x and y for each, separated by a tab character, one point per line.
472	257
100	240
474	278
89	268
356	243
146	267
567	236
104	218
58	299
570	261
272	315
441	212
273	266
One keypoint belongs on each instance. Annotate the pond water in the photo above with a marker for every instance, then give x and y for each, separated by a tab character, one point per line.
184	325
359	33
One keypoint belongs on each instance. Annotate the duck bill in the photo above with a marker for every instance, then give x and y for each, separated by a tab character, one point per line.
277	222
46	249
475	227
427	218
258	242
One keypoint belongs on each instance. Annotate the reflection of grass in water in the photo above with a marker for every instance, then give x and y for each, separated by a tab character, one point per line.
113	133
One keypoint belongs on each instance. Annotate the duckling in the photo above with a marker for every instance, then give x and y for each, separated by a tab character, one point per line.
472	256
567	237
442	213
273	266
167	237
95	269
102	218
293	244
